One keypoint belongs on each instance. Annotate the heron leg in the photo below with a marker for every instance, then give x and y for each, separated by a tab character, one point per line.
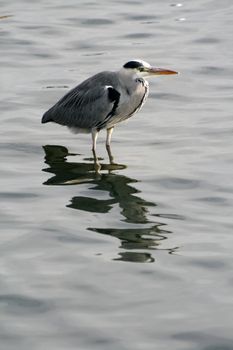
94	134
108	142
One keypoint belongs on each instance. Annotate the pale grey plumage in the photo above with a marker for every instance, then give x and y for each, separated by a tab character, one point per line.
104	100
88	105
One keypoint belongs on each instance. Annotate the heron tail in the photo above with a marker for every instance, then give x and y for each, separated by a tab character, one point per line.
46	118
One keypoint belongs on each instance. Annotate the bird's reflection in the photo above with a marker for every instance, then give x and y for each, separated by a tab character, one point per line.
138	236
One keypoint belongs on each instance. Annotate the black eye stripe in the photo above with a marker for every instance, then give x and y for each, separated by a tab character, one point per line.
133	64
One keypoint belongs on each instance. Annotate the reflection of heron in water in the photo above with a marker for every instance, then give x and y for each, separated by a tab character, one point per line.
146	235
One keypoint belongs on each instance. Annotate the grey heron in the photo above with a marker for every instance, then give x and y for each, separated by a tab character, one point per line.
104	100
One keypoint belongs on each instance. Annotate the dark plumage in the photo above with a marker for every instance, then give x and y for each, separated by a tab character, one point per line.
85	105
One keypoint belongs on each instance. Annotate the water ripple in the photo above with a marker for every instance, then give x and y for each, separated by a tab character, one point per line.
16	304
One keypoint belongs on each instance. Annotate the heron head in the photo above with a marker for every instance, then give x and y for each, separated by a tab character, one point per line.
144	69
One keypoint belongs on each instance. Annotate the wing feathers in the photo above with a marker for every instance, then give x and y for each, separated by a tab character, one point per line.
88	104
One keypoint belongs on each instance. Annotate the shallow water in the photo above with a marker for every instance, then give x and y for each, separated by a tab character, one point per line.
140	255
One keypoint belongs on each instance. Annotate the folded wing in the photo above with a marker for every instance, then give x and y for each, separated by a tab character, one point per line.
85	106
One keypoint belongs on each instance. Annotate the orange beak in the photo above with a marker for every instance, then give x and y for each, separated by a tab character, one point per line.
161	71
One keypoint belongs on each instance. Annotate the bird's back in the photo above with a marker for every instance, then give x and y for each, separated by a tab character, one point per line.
86	104
102	100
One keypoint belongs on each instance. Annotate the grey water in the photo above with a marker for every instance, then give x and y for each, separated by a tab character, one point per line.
138	256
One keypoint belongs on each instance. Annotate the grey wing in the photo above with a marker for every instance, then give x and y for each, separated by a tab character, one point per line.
86	106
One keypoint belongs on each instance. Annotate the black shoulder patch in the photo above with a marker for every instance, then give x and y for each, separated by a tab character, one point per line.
133	64
113	94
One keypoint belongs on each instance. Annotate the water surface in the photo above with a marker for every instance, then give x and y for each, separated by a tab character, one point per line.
138	256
